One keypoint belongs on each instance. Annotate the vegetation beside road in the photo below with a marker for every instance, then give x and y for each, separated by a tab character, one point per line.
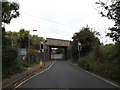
96	57
106	64
12	61
12	42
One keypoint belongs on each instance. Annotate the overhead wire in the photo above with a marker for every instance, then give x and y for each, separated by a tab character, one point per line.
51	21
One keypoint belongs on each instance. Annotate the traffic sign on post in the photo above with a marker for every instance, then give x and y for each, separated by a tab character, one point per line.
79	46
42	46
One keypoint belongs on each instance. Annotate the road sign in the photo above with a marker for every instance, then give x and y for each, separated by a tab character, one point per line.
79	46
79	43
41	42
41	45
22	51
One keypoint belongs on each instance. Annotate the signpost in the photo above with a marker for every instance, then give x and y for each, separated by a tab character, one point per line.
42	46
79	48
22	51
42	49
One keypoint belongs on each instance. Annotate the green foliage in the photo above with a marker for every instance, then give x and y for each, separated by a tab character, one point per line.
14	38
107	65
87	61
35	41
5	40
20	39
88	40
11	62
11	70
28	64
9	11
112	11
23	37
9	56
73	50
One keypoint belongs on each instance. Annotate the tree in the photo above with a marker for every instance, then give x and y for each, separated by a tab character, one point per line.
88	40
5	39
14	37
112	11
9	55
35	41
23	37
9	11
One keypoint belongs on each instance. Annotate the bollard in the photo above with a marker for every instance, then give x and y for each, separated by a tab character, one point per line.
41	63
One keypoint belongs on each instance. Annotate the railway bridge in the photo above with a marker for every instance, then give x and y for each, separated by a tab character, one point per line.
54	43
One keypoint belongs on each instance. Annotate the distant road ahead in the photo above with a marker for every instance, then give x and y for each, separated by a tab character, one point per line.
64	75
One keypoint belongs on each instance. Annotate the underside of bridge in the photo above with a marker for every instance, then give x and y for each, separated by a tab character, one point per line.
65	56
51	43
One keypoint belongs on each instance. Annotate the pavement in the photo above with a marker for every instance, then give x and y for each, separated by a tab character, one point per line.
19	77
62	74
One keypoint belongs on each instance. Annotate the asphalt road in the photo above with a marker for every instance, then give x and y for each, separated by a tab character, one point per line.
64	75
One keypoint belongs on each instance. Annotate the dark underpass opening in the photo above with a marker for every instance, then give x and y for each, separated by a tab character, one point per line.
57	52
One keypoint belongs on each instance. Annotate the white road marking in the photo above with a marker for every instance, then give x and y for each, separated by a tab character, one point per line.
97	76
35	75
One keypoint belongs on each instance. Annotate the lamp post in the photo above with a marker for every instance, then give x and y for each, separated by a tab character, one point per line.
29	42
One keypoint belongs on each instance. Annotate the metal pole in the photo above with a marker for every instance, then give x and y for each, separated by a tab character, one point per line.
29	43
28	46
79	50
79	53
44	54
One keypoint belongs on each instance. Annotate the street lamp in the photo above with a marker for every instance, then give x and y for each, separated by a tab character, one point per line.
29	41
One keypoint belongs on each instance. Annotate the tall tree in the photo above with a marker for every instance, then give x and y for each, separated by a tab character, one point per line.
9	55
87	38
14	37
35	41
9	11
23	37
111	10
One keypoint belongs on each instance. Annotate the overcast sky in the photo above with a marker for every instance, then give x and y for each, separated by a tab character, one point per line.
59	18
